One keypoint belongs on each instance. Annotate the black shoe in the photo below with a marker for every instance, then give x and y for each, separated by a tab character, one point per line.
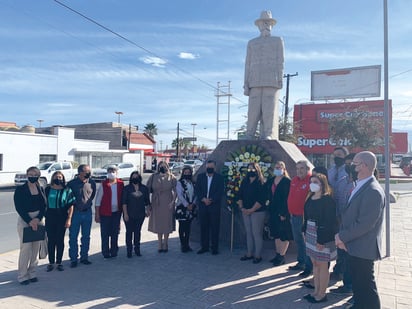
137	252
305	274
25	282
50	267
307	296
201	251
85	262
279	261
73	264
313	300
105	256
34	279
246	258
60	267
189	249
215	252
257	260
297	267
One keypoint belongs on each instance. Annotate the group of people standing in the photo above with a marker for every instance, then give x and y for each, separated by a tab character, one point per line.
330	214
321	210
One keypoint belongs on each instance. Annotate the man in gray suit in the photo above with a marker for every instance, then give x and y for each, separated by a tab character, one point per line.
360	231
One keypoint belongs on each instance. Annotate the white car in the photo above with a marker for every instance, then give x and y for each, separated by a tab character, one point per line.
123	171
195	164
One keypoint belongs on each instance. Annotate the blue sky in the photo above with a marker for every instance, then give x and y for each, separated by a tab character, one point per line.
64	69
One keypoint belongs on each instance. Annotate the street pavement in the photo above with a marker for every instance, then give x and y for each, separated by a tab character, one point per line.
188	280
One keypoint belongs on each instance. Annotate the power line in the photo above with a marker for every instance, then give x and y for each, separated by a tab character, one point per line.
137	45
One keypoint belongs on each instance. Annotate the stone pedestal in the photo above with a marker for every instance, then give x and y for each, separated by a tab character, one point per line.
231	159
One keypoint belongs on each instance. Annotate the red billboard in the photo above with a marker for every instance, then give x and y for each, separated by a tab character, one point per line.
312	122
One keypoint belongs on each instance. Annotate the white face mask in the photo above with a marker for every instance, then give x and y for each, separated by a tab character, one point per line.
314	187
278	172
111	175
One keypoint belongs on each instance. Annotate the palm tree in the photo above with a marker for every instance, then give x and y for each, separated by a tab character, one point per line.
150	129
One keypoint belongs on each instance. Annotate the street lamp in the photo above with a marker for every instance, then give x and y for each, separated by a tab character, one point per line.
118	116
40	121
193	141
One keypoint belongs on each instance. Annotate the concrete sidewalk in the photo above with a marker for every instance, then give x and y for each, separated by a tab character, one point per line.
179	280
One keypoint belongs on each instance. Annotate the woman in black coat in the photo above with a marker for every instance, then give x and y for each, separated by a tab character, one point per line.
280	227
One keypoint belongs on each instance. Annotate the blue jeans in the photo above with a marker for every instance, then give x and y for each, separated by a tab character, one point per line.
297	224
81	220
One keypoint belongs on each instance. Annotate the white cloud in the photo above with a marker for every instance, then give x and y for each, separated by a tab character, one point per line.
155	61
184	55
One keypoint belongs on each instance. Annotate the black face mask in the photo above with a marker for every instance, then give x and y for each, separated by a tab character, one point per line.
251	174
162	169
339	161
58	182
135	181
187	177
210	170
33	179
350	170
87	175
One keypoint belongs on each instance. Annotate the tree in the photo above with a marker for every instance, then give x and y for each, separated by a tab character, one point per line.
183	144
360	127
150	129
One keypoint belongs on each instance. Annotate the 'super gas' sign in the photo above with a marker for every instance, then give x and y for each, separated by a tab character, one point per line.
321	142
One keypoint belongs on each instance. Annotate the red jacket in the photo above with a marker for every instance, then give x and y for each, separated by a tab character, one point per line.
298	192
106	204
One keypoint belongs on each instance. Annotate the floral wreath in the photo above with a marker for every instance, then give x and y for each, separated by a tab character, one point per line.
234	170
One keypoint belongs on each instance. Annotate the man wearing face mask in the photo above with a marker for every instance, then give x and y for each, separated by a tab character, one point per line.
109	211
209	191
84	190
343	189
337	170
360	232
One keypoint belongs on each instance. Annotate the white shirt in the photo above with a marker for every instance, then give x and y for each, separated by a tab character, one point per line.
209	182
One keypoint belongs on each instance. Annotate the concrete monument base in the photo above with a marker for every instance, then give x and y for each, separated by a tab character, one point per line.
231	159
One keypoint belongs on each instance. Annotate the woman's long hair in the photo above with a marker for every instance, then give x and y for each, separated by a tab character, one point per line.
259	173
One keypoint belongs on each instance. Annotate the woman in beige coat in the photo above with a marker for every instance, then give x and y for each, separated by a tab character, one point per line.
162	185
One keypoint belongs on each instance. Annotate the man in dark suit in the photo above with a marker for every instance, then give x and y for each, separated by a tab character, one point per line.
360	231
209	191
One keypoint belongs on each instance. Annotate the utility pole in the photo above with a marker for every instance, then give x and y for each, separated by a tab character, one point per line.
193	141
130	135
287	76
177	142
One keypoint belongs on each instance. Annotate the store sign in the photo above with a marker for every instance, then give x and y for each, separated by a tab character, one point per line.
345	114
322	142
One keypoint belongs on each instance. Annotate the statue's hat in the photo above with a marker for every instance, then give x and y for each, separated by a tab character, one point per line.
266	16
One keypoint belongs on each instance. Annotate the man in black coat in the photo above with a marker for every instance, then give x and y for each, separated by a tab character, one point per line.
209	191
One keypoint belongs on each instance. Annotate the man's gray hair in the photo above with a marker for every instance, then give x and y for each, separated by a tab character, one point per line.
304	163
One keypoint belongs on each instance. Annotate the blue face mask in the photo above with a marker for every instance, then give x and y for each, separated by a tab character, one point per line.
277	172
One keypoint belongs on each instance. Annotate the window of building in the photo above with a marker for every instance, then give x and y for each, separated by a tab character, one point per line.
47	158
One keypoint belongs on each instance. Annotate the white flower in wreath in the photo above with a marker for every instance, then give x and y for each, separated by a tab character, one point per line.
264	169
257	158
253	156
230	173
241	157
229	193
247	155
237	159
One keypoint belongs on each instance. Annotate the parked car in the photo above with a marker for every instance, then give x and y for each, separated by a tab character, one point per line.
195	164
124	170
46	171
405	161
176	167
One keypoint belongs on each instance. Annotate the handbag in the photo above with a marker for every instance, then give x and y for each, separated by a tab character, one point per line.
29	235
43	251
